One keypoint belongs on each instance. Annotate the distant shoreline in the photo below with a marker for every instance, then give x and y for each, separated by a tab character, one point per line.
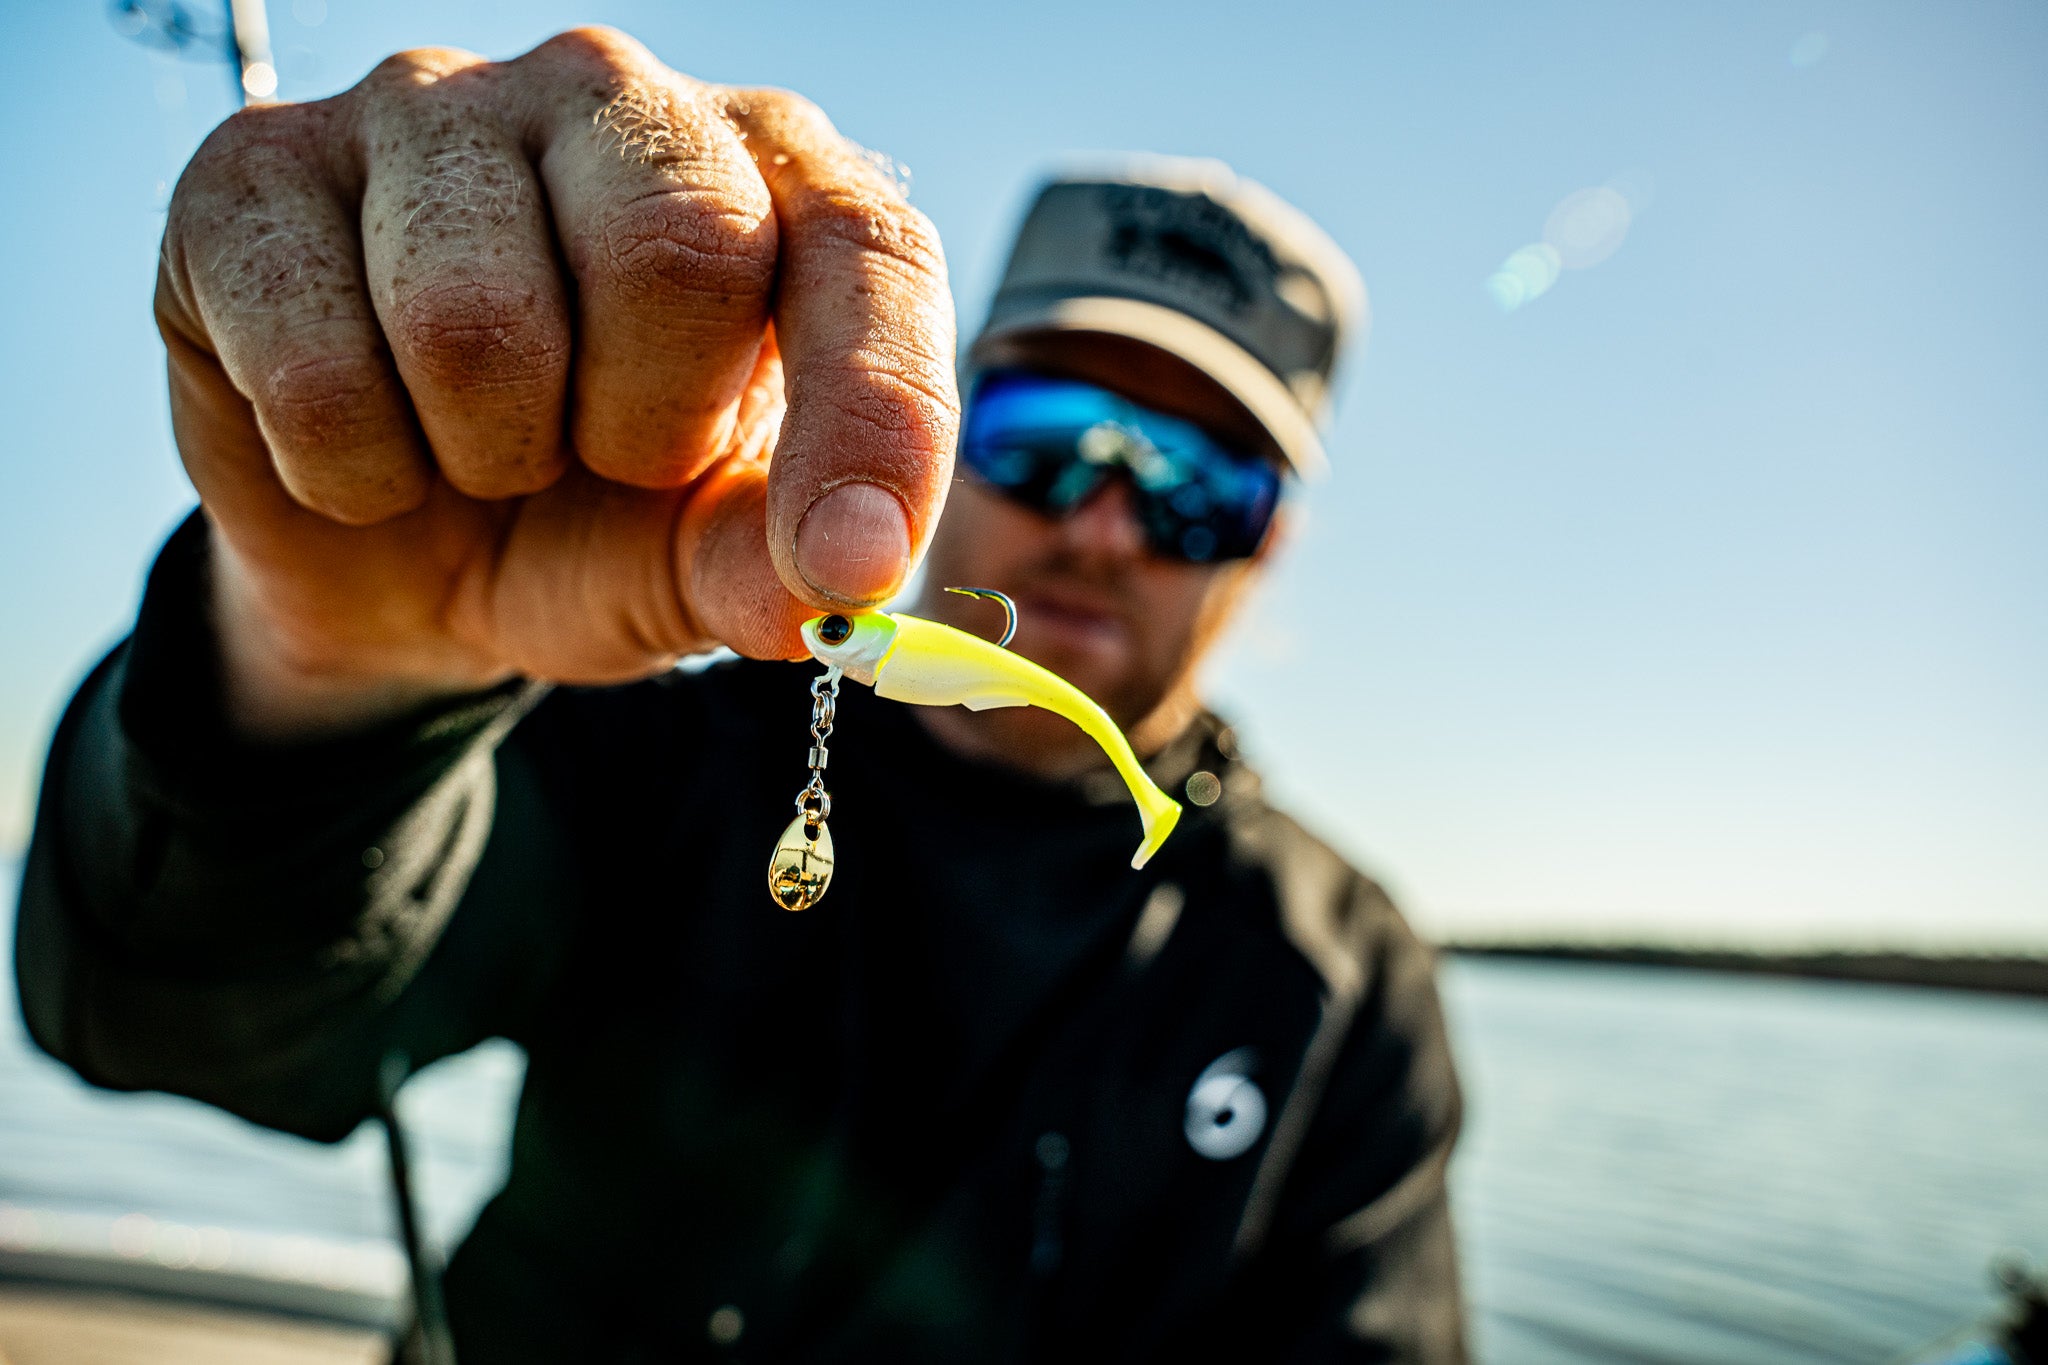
1999	975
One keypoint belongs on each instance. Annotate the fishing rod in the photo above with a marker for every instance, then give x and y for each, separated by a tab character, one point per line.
240	37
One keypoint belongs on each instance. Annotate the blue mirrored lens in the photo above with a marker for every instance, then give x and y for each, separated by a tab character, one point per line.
1050	443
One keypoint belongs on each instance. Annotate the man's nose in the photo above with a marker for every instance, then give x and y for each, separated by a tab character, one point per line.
1106	525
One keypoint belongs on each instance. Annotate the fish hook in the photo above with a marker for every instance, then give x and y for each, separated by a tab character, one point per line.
1009	608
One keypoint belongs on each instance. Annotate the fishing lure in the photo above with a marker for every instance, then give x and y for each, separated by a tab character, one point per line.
907	658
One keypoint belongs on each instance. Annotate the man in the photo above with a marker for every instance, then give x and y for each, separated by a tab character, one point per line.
476	369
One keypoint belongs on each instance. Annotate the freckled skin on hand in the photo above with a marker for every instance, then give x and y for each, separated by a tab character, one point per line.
526	431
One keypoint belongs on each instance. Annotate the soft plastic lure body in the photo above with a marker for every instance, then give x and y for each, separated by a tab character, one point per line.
910	659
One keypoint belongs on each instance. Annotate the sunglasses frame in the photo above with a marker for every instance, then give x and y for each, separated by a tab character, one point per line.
1128	436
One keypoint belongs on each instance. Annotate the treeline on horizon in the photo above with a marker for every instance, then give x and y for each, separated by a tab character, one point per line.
2003	974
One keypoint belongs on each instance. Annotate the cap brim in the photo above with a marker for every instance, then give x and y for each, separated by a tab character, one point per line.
1270	402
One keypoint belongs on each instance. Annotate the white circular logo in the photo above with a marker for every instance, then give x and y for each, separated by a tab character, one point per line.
1226	1111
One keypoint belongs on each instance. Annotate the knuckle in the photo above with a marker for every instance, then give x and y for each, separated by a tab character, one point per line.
914	409
418	66
645	123
475	187
919	238
901	425
530	469
473	334
869	223
685	248
257	123
311	401
597	48
268	133
786	106
249	227
363	500
218	148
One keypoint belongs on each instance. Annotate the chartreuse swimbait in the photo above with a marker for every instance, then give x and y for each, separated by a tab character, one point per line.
907	658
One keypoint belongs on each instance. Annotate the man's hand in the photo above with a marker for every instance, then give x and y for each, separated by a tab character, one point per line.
478	366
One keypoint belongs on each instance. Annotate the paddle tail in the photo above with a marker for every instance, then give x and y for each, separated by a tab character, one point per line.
1159	811
930	664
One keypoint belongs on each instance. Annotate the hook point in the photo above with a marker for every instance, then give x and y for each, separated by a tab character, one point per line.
1001	598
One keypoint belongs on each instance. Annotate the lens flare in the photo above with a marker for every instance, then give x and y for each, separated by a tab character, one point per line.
1588	226
1525	276
1585	228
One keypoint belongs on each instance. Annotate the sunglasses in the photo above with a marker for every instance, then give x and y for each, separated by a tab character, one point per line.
1048	444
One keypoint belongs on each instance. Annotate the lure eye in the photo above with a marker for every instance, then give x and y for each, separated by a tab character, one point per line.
835	630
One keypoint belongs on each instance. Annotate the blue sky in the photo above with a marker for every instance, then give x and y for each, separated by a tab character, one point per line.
1703	596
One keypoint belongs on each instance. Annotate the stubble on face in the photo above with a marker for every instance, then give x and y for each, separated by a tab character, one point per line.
1095	605
1126	627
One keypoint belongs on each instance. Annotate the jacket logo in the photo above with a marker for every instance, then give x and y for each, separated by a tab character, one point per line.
1226	1111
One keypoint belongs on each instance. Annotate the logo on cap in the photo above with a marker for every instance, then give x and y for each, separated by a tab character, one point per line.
1188	243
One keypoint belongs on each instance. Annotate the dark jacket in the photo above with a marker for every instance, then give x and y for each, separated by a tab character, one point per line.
997	1098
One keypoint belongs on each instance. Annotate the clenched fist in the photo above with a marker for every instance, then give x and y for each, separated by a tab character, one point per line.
559	367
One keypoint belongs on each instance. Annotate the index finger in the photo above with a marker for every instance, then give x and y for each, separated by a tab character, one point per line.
864	318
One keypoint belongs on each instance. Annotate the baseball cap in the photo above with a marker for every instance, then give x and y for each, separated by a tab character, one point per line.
1186	256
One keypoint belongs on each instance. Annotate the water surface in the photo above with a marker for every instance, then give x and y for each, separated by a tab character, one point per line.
1659	1165
1667	1165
